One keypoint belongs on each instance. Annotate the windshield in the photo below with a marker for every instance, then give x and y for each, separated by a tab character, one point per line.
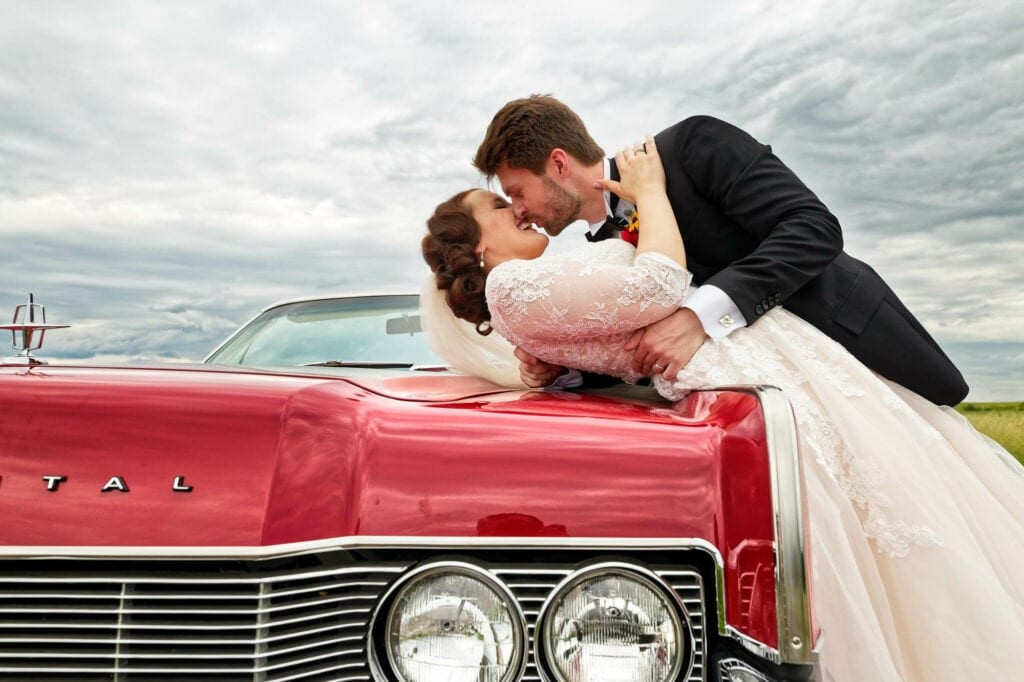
360	329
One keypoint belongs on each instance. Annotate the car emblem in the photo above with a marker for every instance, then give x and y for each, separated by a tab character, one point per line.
30	324
53	484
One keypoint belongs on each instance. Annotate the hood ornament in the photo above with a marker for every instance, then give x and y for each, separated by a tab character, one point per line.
30	324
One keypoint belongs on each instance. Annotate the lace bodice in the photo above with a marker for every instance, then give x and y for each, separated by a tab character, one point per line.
579	309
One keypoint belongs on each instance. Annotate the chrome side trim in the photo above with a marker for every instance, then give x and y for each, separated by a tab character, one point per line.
792	600
792	594
352	542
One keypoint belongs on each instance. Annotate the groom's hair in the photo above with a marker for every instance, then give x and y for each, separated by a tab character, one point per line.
524	131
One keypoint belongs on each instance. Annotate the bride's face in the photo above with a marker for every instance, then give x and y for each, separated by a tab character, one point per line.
500	238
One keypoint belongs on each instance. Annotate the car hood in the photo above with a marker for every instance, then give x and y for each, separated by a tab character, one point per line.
209	457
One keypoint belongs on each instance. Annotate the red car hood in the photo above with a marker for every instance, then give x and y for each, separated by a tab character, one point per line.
206	457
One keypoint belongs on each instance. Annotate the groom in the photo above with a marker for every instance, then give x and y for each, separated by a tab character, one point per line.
756	237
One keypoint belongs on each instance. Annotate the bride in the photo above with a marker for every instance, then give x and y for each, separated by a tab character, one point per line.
916	519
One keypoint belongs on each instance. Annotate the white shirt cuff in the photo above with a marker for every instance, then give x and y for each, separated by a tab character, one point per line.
717	312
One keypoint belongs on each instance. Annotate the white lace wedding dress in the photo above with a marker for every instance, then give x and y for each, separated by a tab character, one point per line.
916	519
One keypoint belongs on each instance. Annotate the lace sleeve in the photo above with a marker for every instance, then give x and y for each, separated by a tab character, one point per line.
577	296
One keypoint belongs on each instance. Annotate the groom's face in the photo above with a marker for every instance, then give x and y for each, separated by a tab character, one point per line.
539	200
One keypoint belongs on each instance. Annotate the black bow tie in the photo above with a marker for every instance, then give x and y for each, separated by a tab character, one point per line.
611	228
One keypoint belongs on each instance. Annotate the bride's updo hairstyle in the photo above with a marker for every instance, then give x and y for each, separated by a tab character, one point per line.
448	248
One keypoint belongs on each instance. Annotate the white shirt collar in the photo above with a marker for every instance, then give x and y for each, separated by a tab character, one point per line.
594	227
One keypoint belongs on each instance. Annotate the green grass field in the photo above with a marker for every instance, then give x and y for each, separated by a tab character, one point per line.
1003	422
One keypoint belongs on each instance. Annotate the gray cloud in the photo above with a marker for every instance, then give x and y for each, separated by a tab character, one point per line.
168	169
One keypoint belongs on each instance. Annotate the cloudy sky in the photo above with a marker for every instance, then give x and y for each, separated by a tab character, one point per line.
169	168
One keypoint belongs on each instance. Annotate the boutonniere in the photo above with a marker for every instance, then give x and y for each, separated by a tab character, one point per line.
632	232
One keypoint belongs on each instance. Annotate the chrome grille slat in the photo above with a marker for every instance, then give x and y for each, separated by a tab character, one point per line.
208	579
183	626
179	655
182	609
324	670
22	595
163	622
192	669
239	641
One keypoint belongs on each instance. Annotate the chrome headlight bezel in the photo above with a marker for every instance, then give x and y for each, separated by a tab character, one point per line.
384	666
544	636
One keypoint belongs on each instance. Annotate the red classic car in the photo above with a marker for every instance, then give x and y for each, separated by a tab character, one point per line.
320	500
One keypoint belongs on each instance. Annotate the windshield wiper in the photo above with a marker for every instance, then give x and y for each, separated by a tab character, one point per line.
359	363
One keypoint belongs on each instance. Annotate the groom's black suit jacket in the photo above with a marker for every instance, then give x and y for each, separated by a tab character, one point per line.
754	230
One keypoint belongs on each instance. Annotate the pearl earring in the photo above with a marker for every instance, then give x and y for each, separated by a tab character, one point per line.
481	260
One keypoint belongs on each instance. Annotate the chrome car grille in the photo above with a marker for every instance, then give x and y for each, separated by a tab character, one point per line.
259	621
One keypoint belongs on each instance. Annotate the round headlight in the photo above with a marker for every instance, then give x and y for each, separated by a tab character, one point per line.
454	622
614	623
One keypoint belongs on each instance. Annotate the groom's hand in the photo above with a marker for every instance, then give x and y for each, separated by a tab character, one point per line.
666	346
536	373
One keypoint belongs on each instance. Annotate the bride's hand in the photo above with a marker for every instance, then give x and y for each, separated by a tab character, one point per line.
640	171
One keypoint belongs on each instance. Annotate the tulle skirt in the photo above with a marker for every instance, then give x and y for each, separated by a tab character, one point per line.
916	519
